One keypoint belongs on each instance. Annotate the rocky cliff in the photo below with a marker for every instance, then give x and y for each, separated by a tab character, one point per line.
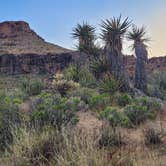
23	51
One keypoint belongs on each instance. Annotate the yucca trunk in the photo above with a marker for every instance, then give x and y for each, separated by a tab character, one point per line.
117	68
140	69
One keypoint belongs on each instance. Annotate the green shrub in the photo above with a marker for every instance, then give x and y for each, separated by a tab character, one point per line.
54	110
32	86
124	99
87	79
136	113
85	94
115	118
75	104
72	73
153	105
99	66
143	108
8	118
99	101
157	84
80	74
108	85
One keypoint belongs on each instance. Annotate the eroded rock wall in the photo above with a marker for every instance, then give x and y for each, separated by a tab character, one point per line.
31	63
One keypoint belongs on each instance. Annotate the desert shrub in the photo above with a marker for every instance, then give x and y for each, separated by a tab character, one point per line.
153	105
80	74
124	99
99	66
76	104
108	85
8	117
141	109
72	72
54	110
99	101
32	86
12	97
152	136
85	94
62	85
110	137
157	84
87	79
115	118
136	113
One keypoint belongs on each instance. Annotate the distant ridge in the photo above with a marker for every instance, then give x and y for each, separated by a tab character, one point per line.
16	37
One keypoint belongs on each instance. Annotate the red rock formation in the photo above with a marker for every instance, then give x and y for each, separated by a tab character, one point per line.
23	51
155	63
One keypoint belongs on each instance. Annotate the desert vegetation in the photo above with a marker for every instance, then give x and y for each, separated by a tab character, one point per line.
90	113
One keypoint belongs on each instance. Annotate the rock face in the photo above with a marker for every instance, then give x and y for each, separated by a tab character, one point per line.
32	63
155	63
23	51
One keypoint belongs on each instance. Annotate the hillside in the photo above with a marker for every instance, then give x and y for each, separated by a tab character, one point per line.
16	37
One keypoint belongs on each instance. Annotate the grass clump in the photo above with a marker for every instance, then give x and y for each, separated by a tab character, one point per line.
152	136
110	138
32	87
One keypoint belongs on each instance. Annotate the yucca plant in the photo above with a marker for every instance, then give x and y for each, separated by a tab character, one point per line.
113	31
85	34
99	66
137	35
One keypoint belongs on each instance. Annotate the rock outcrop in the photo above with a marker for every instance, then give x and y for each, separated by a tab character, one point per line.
23	51
155	63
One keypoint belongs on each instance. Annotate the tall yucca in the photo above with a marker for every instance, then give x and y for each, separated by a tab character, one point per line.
138	36
113	31
85	34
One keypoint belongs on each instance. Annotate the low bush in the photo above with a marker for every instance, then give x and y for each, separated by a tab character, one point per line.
108	85
62	85
141	109
99	101
9	118
124	99
80	74
157	84
99	66
136	114
85	94
54	110
32	86
115	118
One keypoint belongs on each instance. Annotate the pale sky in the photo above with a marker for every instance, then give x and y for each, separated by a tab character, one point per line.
54	19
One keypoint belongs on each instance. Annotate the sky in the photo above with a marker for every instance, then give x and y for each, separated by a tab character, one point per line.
55	19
